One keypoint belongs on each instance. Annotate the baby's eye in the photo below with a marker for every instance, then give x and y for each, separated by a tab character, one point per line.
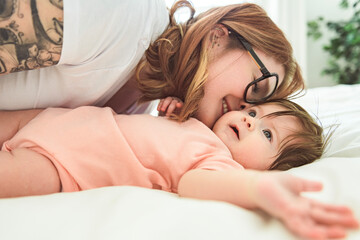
267	134
252	114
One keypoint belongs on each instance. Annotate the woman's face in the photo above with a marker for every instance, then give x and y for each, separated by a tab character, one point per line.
230	71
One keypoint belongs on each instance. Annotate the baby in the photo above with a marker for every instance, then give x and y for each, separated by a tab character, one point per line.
69	150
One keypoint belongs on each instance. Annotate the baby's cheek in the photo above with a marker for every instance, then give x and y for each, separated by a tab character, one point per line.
253	158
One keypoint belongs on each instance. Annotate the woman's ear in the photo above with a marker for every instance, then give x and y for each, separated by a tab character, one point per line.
218	35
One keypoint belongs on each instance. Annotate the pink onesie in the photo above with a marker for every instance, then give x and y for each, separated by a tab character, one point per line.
93	147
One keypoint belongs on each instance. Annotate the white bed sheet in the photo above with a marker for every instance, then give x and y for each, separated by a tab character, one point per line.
137	213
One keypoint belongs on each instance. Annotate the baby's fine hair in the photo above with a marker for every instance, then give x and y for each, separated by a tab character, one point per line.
176	63
304	145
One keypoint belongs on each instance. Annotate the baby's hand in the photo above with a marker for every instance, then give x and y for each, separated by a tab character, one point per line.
280	195
169	105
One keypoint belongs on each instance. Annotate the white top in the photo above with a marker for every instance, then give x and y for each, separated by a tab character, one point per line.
103	42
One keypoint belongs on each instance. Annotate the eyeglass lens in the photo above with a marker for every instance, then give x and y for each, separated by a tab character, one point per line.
261	90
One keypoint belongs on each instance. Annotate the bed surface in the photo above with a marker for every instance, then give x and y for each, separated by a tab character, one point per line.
137	213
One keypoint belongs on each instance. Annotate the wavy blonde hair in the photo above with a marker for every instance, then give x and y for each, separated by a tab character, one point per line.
176	63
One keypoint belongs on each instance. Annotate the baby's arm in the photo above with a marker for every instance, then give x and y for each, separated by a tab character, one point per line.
277	193
24	172
12	121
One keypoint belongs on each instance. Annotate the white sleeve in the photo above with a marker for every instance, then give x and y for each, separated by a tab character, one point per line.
103	42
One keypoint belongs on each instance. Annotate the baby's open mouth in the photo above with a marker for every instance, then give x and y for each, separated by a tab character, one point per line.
236	131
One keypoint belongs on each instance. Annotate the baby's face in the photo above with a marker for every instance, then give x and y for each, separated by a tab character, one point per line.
254	141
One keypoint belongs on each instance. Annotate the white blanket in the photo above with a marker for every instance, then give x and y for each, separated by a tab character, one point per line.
136	213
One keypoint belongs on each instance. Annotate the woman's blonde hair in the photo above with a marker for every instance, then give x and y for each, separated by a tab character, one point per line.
304	145
176	63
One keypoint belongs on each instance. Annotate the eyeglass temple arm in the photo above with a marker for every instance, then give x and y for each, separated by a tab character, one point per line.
250	51
257	60
253	55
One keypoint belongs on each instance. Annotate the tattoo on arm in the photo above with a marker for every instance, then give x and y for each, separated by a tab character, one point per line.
31	34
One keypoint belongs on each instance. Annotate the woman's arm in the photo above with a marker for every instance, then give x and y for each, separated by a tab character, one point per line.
31	34
12	121
277	193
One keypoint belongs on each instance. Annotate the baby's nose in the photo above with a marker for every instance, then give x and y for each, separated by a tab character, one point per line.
250	122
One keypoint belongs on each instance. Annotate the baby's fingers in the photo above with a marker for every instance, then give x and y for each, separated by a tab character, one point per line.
309	186
333	215
164	104
308	229
160	104
171	108
169	105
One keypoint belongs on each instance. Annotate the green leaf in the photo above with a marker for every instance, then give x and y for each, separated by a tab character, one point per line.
344	47
344	4
349	27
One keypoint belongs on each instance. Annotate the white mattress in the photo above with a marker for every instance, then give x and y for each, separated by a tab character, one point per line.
137	213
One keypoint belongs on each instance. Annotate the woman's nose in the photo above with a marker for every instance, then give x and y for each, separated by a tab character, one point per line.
249	122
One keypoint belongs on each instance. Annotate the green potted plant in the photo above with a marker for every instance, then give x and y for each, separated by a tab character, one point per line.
344	46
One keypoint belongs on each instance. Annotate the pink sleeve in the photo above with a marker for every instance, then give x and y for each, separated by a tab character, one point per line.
218	162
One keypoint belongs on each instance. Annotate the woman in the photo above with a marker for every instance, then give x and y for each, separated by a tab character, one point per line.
202	62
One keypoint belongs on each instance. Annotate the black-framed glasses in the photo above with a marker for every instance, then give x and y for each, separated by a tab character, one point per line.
263	87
